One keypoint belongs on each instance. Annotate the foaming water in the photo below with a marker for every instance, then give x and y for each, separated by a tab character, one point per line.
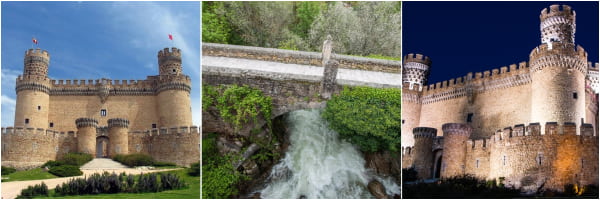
318	164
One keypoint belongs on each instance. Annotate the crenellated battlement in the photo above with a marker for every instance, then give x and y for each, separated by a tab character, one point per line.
37	52
22	131
118	122
457	129
498	78
418	58
554	54
551	128
86	122
555	10
165	131
424	132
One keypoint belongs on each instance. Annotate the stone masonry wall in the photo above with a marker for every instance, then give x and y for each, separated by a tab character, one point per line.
298	57
29	148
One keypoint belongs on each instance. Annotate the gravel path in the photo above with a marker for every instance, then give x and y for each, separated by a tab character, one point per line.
344	77
10	190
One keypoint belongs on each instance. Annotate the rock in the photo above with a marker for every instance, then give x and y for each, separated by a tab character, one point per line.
377	189
226	146
255	195
250	168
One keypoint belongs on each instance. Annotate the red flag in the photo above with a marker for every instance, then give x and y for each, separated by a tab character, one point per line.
34	40
170	37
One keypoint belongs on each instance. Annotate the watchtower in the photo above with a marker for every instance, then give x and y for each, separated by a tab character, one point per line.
558	70
453	159
33	88
174	107
423	153
415	71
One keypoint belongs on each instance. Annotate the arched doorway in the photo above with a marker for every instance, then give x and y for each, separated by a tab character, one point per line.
102	147
437	163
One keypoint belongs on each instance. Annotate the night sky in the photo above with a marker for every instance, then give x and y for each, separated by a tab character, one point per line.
462	37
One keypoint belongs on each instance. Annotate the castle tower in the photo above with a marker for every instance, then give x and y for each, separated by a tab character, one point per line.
174	88
86	135
558	70
415	71
33	88
118	135
453	159
423	154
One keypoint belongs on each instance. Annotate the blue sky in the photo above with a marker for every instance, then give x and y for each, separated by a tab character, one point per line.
462	37
93	40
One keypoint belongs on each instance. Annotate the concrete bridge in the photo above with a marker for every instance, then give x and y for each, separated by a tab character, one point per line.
294	79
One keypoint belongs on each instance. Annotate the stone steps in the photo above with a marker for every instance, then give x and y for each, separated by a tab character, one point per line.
102	163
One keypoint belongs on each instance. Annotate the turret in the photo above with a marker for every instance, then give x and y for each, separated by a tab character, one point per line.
33	90
455	138
558	70
415	71
174	107
118	129
86	135
423	153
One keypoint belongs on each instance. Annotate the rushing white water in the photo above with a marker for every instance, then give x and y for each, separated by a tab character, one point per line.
318	164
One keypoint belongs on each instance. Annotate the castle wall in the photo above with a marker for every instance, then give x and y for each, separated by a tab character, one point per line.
177	145
29	148
436	114
27	103
174	108
411	113
141	111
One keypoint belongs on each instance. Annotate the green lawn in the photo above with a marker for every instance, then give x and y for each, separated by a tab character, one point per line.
192	192
32	174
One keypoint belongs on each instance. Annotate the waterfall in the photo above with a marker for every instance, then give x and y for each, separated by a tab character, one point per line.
318	164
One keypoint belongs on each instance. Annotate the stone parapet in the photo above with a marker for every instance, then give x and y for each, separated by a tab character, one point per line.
298	57
86	122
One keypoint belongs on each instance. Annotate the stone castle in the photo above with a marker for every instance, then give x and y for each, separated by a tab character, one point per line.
532	124
101	117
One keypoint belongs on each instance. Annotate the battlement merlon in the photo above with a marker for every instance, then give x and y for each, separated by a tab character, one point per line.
417	58
457	129
164	130
555	10
37	131
424	132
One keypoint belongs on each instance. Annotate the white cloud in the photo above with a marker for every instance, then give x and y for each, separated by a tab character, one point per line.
8	111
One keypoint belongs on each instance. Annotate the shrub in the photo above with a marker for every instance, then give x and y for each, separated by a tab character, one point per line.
8	170
77	159
133	160
164	164
194	169
170	182
147	183
367	117
52	163
465	186
66	170
33	191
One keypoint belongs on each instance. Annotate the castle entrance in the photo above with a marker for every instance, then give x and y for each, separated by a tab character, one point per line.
102	147
437	163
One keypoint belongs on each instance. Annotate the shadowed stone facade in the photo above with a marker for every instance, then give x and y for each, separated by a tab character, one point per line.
552	99
101	117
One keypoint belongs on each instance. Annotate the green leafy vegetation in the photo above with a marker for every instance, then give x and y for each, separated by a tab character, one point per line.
356	27
77	159
194	169
33	191
135	159
32	174
219	178
238	105
65	170
465	186
8	170
367	117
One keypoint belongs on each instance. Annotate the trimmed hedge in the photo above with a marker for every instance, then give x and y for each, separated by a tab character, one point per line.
65	170
8	170
133	160
163	164
52	163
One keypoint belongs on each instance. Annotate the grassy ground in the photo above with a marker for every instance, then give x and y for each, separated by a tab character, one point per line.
191	192
32	174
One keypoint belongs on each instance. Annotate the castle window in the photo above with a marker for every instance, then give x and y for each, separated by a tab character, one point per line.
539	159
574	95
504	161
103	112
39	107
470	117
582	163
51	124
26	121
402	121
153	125
477	163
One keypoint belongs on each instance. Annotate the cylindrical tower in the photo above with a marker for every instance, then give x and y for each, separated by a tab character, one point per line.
558	70
423	153
86	135
453	159
174	107
415	71
118	136
33	88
